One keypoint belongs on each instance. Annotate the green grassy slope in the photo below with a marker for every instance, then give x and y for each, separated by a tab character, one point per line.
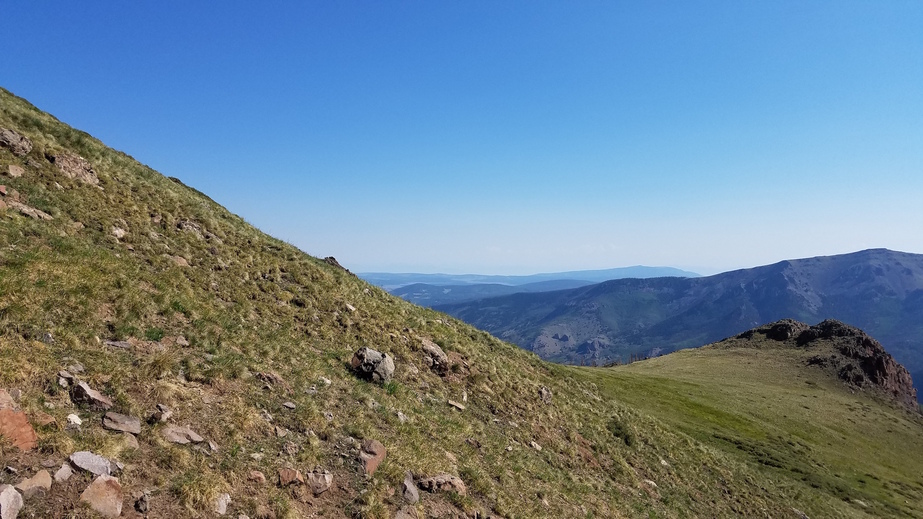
147	260
839	452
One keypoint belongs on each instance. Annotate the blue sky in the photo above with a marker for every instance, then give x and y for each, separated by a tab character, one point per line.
508	137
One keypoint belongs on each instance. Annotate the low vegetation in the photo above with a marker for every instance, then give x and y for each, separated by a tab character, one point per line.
161	296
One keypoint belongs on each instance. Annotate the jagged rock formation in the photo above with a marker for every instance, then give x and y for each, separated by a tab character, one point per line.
854	356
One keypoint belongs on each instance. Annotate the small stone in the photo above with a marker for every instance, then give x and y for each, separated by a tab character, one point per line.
181	435
328	415
10	502
47	338
6	400
104	495
162	414
130	441
409	489
122	345
76	368
320	481
326	381
443	483
371	455
63	382
93	463
49	463
457	405
118	232
43	419
257	476
221	503
83	394
289	476
15	171
535	446
121	422
650	483
408	512
73	419
288	405
350	307
64	473
401	417
281	432
143	504
37	484
212	446
545	395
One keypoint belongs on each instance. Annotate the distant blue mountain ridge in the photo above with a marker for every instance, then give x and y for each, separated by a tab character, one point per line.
391	281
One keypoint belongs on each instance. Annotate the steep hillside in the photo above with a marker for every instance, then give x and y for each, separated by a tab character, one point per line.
880	291
178	361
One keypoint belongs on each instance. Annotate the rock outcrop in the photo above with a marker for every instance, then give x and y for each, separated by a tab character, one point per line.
75	167
15	142
857	359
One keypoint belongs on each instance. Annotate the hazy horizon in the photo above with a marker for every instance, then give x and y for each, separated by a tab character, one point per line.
510	138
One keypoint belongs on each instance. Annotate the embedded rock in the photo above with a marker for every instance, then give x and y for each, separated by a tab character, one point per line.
104	495
29	211
371	455
83	394
319	481
409	489
15	426
221	503
6	400
181	435
288	477
14	171
64	473
10	502
93	463
121	422
373	365
443	483
37	484
15	142
545	395
75	167
435	358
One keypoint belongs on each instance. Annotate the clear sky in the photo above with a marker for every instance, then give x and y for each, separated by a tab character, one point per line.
508	137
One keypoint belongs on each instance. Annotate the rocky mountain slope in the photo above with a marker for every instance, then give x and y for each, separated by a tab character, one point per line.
879	290
162	358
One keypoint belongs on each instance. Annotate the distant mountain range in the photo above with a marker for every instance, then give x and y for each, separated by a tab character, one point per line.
878	290
391	281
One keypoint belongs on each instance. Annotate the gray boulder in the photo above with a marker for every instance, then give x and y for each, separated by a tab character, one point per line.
373	365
